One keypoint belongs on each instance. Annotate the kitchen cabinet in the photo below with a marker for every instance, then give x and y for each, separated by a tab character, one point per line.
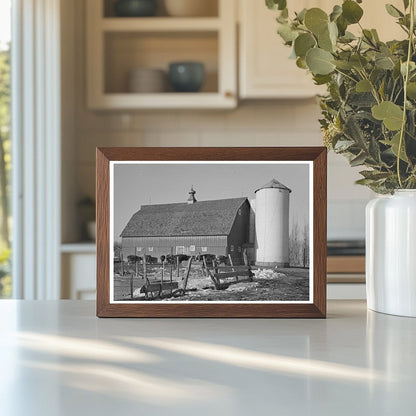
265	69
118	45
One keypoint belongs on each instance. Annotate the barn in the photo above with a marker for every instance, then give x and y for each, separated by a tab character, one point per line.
218	227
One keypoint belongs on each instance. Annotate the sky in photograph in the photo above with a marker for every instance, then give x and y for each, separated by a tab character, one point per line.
146	184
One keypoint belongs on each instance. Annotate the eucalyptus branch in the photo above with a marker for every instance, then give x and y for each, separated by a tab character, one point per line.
406	80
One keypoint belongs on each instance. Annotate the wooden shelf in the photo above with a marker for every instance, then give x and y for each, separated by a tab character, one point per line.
160	24
199	100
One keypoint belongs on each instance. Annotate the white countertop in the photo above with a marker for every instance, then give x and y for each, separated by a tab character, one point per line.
57	358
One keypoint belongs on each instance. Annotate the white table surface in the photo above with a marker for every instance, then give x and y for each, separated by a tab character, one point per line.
57	358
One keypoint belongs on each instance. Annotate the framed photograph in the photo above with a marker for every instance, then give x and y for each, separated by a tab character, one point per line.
211	232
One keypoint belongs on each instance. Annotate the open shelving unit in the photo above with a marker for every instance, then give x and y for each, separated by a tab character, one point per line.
117	45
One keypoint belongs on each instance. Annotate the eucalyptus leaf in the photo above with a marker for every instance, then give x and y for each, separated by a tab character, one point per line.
303	43
406	4
287	33
325	42
316	20
363	86
351	11
411	90
320	61
276	4
394	145
388	112
393	11
336	12
385	62
301	63
358	61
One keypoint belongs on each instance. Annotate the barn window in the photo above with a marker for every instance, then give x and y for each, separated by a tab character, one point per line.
138	248
239	211
150	248
191	248
232	248
204	249
180	249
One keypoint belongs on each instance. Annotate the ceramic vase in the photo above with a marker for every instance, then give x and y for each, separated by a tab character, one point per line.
391	253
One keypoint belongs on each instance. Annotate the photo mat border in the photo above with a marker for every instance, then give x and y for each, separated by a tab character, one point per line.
314	308
187	162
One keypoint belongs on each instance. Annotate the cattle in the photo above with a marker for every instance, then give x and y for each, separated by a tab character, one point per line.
221	259
174	258
150	259
132	259
209	259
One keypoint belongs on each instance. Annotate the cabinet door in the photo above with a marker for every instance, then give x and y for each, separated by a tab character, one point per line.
265	68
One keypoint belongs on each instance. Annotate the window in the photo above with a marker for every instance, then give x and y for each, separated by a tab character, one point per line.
191	248
239	211
5	145
204	249
232	248
138	248
150	248
180	249
239	249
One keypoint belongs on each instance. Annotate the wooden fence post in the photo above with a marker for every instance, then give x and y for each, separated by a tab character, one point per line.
145	269
177	267
131	285
171	266
137	262
122	263
188	271
232	265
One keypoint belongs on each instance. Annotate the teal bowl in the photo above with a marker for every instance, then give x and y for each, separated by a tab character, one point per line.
135	8
187	76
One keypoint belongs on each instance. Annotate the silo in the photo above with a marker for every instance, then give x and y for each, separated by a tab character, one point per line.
272	224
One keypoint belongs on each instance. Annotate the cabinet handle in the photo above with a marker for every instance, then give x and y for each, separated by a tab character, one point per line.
229	94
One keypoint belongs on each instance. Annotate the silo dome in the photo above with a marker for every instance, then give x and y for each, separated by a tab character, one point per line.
272	224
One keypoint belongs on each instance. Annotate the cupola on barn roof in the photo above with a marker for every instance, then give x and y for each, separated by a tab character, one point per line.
274	183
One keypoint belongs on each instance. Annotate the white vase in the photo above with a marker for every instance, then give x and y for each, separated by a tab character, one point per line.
391	253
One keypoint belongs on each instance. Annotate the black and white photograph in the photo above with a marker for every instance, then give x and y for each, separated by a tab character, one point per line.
210	232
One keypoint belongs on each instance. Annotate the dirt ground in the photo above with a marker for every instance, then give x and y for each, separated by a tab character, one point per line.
289	284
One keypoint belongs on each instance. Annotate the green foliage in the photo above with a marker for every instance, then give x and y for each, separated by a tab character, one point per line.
365	115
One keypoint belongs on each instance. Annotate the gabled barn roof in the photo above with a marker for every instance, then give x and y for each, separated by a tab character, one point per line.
182	219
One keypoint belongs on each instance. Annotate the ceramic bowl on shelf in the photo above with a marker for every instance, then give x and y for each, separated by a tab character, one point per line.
135	8
147	81
191	8
186	76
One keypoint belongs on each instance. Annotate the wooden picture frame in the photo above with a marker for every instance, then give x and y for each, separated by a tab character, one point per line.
108	159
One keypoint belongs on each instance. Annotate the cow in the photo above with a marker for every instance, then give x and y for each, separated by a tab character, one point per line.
209	259
221	259
150	259
173	259
132	259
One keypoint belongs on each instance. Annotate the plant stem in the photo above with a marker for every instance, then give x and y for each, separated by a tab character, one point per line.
406	80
